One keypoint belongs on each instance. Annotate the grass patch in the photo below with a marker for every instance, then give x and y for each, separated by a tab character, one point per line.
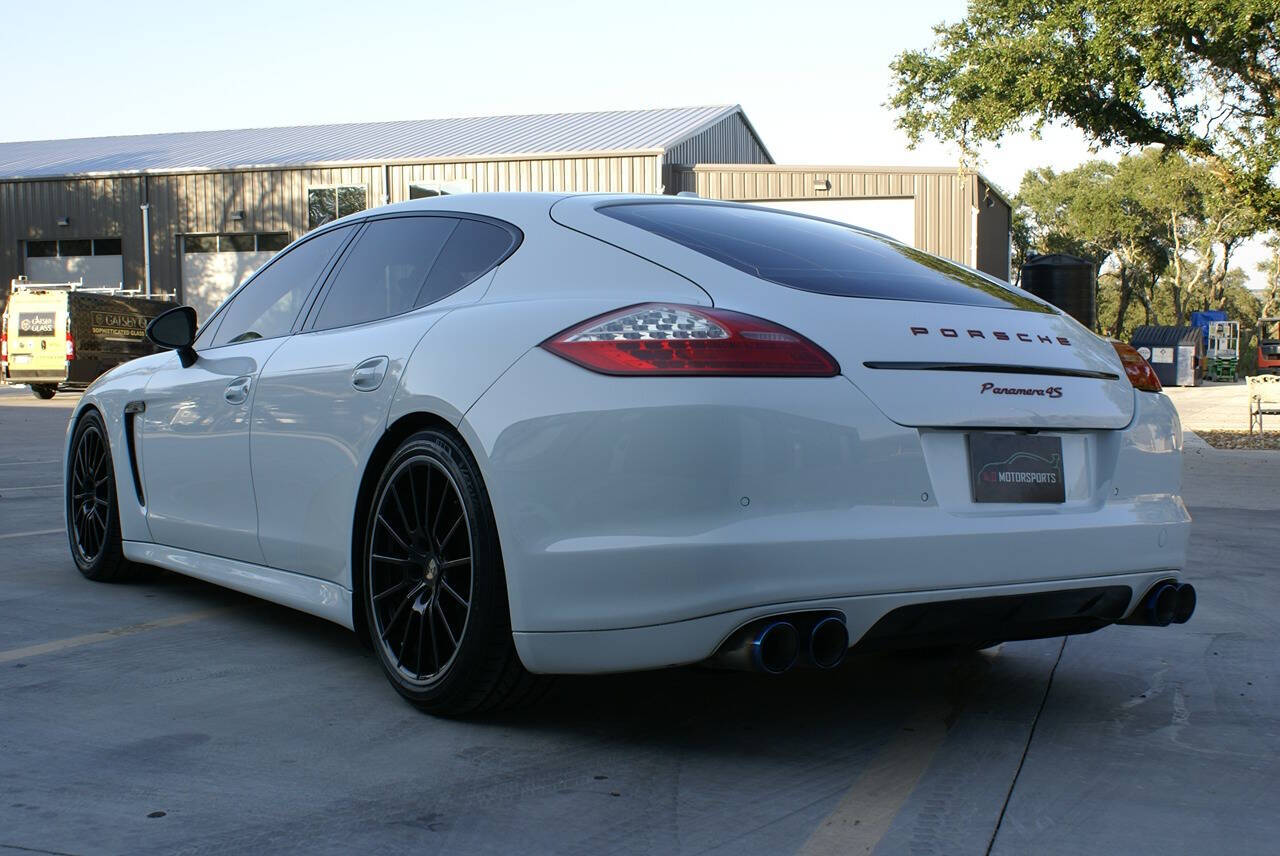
1243	440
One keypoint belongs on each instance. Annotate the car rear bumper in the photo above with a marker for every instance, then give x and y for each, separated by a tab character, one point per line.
684	642
36	375
705	502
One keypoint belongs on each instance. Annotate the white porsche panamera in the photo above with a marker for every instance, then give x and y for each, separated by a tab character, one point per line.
513	435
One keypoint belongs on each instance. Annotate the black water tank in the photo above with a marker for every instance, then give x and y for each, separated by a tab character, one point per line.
1067	282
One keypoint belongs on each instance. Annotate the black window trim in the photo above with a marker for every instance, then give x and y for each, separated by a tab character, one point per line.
312	311
216	318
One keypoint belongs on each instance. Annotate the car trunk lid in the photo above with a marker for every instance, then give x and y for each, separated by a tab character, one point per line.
932	343
934	365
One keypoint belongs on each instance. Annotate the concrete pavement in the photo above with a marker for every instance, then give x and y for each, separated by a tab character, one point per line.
172	716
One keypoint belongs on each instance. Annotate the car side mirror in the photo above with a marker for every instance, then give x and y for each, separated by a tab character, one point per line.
175	330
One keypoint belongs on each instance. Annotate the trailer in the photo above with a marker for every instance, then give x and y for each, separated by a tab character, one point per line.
62	335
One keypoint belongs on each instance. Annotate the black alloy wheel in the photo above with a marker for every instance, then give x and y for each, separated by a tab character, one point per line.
420	569
434	588
93	522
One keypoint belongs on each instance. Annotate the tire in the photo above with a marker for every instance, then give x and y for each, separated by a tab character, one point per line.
93	519
44	392
434	589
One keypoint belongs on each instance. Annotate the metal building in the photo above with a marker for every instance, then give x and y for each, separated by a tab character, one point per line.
191	214
954	213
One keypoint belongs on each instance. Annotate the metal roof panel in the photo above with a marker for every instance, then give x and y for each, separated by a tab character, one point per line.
363	142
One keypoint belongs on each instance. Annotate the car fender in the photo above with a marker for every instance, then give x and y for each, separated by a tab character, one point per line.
108	395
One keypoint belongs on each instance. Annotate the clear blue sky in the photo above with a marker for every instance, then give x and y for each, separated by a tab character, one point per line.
812	76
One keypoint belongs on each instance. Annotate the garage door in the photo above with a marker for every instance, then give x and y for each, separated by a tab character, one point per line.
95	260
893	217
213	265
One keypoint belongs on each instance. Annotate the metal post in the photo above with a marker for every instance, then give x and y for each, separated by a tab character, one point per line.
146	246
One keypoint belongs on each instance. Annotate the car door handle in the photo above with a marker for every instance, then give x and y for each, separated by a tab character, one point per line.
368	375
237	391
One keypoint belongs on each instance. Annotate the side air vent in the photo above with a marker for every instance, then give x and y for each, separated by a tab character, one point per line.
131	411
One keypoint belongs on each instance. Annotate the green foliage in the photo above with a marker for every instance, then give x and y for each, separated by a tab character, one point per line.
1196	76
1159	226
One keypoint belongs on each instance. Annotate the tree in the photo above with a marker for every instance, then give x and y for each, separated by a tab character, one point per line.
1097	211
1271	267
1159	222
1195	76
1202	223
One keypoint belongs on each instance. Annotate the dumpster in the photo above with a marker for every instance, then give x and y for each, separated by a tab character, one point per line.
1176	353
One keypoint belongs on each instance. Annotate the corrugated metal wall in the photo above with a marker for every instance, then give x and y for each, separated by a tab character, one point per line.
947	210
995	220
97	208
729	141
622	173
272	201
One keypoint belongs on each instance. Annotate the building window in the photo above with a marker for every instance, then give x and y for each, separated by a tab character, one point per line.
325	204
73	247
240	242
428	189
237	243
272	242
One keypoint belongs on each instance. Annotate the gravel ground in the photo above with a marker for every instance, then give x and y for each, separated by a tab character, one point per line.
1241	440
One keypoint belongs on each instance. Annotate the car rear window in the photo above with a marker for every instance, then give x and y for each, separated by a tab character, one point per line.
814	255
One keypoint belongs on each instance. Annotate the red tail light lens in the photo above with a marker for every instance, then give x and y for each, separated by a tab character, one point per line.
71	346
1140	373
671	339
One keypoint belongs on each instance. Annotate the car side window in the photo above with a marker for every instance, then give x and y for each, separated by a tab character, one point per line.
269	304
384	272
473	248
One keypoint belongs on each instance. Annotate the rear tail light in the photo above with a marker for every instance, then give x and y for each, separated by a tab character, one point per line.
4	339
1140	373
71	346
670	339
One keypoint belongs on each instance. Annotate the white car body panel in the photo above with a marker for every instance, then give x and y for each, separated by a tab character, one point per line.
312	435
840	500
643	519
197	477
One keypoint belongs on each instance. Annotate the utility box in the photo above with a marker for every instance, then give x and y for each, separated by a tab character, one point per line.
1176	353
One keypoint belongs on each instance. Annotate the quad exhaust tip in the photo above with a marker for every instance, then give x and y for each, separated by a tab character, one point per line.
1186	604
777	644
828	643
776	647
1165	603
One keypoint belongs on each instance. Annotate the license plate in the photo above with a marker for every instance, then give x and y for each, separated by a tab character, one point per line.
19	359
1016	468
